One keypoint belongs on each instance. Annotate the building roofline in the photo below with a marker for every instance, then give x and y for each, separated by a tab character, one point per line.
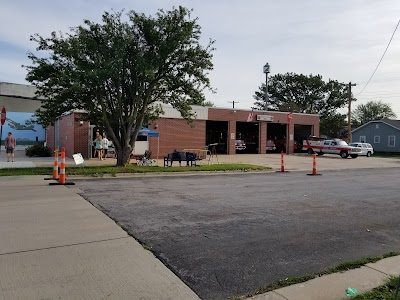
264	111
375	121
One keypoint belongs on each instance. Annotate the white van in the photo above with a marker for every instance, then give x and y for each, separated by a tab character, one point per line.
366	149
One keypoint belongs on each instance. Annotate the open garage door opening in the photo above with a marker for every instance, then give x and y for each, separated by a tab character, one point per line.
301	132
217	133
276	137
247	134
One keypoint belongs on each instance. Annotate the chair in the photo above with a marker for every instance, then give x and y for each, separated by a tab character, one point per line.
146	160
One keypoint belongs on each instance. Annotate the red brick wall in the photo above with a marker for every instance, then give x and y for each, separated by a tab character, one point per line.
67	135
263	138
178	134
81	138
50	137
231	137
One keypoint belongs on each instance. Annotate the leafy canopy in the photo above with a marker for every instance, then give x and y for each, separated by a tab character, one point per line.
306	94
370	111
120	69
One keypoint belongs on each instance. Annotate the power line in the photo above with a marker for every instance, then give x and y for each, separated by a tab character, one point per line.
380	59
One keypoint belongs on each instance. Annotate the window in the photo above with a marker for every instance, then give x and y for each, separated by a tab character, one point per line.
391	140
377	126
377	139
362	139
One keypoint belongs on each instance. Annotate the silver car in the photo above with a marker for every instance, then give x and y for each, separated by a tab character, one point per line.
366	149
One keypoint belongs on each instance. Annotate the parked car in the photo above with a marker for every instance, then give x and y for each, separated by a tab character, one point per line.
366	149
240	145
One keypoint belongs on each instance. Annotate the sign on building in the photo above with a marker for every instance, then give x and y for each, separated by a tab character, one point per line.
267	118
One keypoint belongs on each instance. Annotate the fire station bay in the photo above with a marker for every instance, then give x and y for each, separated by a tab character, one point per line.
229	131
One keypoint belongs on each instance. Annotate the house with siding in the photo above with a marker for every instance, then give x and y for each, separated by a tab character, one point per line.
383	135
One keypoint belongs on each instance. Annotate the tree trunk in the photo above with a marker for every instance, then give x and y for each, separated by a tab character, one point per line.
123	156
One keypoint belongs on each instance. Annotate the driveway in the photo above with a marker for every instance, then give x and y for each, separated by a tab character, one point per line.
226	235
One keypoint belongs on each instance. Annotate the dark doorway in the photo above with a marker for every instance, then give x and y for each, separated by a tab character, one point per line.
301	132
247	133
217	133
276	132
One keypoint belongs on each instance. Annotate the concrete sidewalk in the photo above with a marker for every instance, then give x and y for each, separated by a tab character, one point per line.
56	245
333	286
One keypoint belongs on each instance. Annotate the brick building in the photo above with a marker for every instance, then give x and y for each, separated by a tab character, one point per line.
219	126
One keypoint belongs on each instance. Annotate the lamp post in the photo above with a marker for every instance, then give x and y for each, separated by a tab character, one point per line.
266	71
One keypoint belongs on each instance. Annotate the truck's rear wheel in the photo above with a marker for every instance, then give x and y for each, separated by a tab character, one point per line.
310	151
354	155
344	154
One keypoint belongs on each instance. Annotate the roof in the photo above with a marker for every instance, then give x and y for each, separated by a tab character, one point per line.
392	123
17	90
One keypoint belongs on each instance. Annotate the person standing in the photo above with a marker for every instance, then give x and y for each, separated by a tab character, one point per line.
99	147
105	146
10	144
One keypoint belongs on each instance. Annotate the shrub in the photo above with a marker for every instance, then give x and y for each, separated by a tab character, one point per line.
38	150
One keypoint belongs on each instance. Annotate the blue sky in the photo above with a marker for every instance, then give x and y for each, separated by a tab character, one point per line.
341	39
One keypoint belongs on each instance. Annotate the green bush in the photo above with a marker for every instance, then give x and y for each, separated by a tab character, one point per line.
38	150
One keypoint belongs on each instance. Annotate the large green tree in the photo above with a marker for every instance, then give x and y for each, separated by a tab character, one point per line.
306	94
118	71
370	111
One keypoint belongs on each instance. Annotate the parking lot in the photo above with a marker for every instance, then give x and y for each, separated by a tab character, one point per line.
226	235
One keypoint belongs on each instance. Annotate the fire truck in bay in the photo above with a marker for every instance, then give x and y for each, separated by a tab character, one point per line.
336	146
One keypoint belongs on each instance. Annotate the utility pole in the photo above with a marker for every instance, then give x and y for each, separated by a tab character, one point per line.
349	114
233	103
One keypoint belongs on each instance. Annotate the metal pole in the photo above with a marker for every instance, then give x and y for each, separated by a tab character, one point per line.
266	91
233	103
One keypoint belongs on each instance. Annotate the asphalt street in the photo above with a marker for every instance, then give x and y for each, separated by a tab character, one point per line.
227	235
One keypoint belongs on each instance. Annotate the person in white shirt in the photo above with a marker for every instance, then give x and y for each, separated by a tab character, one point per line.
105	146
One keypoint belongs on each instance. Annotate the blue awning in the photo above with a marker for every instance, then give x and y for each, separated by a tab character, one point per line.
144	131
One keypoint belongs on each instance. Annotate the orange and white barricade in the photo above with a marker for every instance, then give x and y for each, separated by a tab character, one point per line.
62	177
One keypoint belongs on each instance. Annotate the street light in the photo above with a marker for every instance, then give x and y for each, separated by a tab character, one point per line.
266	71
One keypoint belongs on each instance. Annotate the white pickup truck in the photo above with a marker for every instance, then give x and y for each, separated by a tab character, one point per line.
335	146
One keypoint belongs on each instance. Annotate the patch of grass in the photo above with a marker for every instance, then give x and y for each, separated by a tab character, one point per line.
387	154
349	265
99	171
147	247
26	171
282	283
386	291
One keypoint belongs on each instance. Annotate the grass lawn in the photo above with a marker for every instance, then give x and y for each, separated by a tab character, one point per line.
386	291
387	154
101	170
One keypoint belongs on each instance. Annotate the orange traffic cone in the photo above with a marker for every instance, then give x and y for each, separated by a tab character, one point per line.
314	169
62	180
282	164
